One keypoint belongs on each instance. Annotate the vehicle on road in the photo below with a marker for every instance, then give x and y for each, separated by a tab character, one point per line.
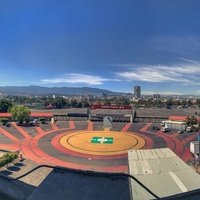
180	131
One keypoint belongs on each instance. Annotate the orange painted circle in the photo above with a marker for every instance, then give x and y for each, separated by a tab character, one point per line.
81	142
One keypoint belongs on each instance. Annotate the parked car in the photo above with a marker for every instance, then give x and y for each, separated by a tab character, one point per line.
189	129
155	128
162	124
180	132
165	129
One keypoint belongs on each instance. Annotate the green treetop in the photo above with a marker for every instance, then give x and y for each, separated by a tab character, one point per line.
20	113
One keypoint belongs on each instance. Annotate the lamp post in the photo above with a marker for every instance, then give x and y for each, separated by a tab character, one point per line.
199	147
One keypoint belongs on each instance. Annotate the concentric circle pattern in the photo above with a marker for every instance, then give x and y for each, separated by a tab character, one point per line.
89	146
105	142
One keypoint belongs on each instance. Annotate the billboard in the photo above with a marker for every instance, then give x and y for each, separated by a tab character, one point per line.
114	107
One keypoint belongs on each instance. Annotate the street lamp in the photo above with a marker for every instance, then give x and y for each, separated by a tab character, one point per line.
198	139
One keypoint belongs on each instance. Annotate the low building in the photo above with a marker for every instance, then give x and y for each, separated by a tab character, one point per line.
178	125
163	173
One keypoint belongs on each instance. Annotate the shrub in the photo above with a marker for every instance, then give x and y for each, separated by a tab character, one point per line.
8	158
4	121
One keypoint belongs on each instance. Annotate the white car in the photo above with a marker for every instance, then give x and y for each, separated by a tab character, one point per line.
164	129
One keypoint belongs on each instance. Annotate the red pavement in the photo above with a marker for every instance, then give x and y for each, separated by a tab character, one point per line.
71	124
30	149
179	146
168	140
40	130
56	162
190	138
126	127
145	128
90	126
15	142
10	147
10	136
54	127
148	141
187	155
21	130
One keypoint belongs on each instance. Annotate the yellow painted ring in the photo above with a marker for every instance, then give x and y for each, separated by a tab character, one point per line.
80	141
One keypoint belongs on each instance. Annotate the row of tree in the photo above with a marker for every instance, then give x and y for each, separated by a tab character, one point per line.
166	103
79	102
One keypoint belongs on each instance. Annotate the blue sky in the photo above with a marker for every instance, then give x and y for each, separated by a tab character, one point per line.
110	44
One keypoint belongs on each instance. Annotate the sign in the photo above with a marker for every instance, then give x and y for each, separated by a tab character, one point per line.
99	106
102	140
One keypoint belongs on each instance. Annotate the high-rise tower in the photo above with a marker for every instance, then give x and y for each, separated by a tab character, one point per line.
137	92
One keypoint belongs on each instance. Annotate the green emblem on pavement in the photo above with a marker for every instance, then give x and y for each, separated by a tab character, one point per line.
102	140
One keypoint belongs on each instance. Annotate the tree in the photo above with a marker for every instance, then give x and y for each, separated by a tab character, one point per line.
5	105
20	113
191	120
198	102
59	102
169	103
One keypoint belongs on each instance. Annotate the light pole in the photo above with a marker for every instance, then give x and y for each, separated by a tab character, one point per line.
199	147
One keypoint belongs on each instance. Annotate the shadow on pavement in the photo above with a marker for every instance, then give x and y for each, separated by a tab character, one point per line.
6	172
18	164
13	168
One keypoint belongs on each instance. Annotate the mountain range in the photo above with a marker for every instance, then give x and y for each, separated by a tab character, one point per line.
42	91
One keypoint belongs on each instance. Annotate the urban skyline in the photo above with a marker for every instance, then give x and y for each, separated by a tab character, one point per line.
105	44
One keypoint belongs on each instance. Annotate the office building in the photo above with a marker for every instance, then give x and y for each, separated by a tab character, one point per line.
137	92
156	96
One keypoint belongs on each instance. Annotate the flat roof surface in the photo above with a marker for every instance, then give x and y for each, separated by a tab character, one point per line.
76	186
33	114
162	171
173	122
178	118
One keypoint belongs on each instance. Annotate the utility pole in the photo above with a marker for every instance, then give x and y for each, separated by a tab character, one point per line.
199	147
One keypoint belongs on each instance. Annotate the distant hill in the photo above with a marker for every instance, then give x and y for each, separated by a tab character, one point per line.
41	91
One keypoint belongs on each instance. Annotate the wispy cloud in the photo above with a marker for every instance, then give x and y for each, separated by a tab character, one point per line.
180	45
186	73
75	78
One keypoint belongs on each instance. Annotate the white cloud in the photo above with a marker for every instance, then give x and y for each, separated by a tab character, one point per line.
186	73
75	78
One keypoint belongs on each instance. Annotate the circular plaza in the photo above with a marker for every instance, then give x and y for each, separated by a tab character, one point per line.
101	142
88	145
